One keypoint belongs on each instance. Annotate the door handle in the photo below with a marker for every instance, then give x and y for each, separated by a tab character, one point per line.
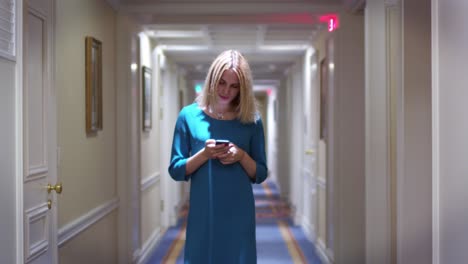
309	151
57	188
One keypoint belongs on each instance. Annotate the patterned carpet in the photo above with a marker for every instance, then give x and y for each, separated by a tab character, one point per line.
278	240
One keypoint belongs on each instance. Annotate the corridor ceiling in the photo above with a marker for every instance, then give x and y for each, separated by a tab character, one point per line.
272	34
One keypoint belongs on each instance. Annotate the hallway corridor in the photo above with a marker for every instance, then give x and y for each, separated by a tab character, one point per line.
361	102
278	240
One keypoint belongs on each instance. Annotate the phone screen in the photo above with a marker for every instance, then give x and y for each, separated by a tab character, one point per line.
222	142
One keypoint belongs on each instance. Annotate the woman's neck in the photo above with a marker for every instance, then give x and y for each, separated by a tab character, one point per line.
221	108
220	111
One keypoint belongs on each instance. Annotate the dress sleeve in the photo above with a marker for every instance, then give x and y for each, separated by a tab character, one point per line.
257	152
180	149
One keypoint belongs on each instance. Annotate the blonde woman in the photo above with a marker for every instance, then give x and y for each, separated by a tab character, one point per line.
219	146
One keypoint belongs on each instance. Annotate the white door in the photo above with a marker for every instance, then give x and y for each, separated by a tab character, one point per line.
310	148
40	140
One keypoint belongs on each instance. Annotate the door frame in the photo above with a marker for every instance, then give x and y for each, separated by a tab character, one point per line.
435	133
309	153
19	131
22	9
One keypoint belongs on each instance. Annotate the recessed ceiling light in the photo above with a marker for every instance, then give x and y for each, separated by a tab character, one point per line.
183	48
178	34
283	47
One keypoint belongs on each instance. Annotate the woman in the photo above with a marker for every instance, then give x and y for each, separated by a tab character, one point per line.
221	220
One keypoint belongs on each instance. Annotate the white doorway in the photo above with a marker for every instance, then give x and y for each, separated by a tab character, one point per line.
40	138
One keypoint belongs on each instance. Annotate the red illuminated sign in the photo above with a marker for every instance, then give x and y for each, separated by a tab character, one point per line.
331	20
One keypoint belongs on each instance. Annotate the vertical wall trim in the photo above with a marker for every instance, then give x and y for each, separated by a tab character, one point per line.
128	136
19	133
377	167
435	132
367	68
400	136
396	118
391	140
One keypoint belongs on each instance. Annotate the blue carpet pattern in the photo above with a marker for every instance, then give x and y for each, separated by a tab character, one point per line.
278	240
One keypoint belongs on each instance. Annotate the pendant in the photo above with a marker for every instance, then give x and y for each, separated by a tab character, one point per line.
218	115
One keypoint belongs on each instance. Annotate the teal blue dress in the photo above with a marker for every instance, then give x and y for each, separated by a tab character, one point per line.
221	219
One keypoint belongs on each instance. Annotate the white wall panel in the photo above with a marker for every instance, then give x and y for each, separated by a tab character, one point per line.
36	114
8	138
150	211
450	89
36	235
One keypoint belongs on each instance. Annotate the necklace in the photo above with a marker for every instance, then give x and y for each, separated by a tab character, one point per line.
219	115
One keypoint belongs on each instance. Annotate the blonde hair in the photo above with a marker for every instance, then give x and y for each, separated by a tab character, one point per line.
244	104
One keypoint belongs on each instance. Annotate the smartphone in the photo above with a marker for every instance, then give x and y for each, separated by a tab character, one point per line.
222	142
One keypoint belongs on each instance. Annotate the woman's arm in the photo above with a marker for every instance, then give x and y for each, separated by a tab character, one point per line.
182	165
194	162
257	153
210	151
253	164
249	165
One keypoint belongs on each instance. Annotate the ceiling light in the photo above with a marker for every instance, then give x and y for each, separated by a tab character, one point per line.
183	48
177	34
199	67
283	47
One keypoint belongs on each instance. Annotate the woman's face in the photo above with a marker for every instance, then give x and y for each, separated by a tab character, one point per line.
228	87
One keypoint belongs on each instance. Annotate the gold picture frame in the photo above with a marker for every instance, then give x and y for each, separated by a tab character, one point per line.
147	99
93	95
323	98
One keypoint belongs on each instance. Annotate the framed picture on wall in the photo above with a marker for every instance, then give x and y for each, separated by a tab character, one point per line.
147	98
275	110
93	94
323	98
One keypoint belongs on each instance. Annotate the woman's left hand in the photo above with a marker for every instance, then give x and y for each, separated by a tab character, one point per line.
233	155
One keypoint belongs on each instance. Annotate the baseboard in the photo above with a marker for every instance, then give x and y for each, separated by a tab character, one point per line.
143	255
297	217
308	228
322	252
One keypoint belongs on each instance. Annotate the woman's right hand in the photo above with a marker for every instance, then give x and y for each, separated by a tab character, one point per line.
213	151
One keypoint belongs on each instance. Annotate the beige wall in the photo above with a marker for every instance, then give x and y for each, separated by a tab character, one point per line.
8	138
90	247
262	107
347	137
296	139
169	99
415	195
150	152
150	146
451	167
321	220
150	212
283	140
87	165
